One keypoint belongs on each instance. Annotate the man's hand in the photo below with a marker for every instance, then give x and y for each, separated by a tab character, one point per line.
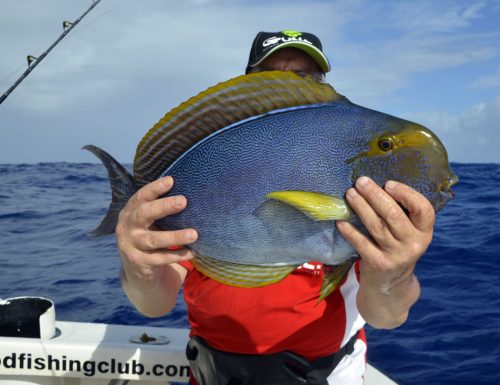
388	286
151	276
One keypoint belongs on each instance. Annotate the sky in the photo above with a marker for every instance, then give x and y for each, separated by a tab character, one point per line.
128	62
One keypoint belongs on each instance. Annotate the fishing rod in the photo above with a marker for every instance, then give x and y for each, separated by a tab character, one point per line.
34	61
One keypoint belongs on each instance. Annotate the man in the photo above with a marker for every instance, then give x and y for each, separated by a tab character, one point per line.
279	331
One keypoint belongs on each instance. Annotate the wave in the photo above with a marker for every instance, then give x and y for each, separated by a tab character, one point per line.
451	337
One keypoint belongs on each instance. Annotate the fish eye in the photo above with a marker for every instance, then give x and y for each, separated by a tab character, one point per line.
385	144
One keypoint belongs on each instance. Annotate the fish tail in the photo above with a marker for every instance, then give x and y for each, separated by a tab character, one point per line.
123	186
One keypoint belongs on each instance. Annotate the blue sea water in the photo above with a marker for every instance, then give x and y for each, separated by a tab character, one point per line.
452	336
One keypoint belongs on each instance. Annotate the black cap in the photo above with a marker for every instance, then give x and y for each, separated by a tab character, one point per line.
265	43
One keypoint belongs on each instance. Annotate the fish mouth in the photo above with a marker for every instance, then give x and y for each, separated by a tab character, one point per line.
445	187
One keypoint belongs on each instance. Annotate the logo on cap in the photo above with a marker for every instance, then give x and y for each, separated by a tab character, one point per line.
291	33
287	36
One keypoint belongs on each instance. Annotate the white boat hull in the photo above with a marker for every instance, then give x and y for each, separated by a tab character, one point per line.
95	354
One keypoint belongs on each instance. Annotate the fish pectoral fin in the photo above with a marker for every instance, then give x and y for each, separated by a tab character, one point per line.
317	206
332	278
240	275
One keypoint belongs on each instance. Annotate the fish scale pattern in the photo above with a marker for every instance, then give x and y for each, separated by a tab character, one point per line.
318	148
226	176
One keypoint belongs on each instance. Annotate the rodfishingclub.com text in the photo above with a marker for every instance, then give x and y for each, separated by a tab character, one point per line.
89	368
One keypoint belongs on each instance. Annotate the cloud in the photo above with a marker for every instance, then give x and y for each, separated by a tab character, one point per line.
471	135
112	52
380	69
392	43
126	64
487	81
431	16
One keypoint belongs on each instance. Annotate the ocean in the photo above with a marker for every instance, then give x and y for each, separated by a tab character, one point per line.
452	336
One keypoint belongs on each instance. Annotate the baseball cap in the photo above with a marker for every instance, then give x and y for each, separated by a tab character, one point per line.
265	43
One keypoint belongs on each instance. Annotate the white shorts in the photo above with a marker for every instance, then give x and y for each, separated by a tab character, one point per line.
351	369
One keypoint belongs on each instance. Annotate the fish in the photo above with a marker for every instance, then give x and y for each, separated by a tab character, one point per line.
264	161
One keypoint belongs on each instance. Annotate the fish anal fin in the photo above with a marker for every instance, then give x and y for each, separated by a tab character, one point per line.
240	275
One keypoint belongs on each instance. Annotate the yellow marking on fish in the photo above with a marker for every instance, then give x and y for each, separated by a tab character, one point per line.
252	276
414	136
239	275
317	206
332	279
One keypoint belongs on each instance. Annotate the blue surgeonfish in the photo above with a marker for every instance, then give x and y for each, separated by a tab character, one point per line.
264	161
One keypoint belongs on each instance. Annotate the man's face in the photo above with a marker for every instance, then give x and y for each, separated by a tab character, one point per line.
290	59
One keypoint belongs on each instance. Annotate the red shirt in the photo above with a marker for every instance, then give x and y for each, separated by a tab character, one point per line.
274	318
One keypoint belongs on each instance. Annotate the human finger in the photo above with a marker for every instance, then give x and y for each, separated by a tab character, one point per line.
420	210
148	212
165	257
154	240
360	241
153	190
372	221
390	217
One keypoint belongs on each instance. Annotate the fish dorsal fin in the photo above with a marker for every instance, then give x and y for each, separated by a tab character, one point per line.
219	106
